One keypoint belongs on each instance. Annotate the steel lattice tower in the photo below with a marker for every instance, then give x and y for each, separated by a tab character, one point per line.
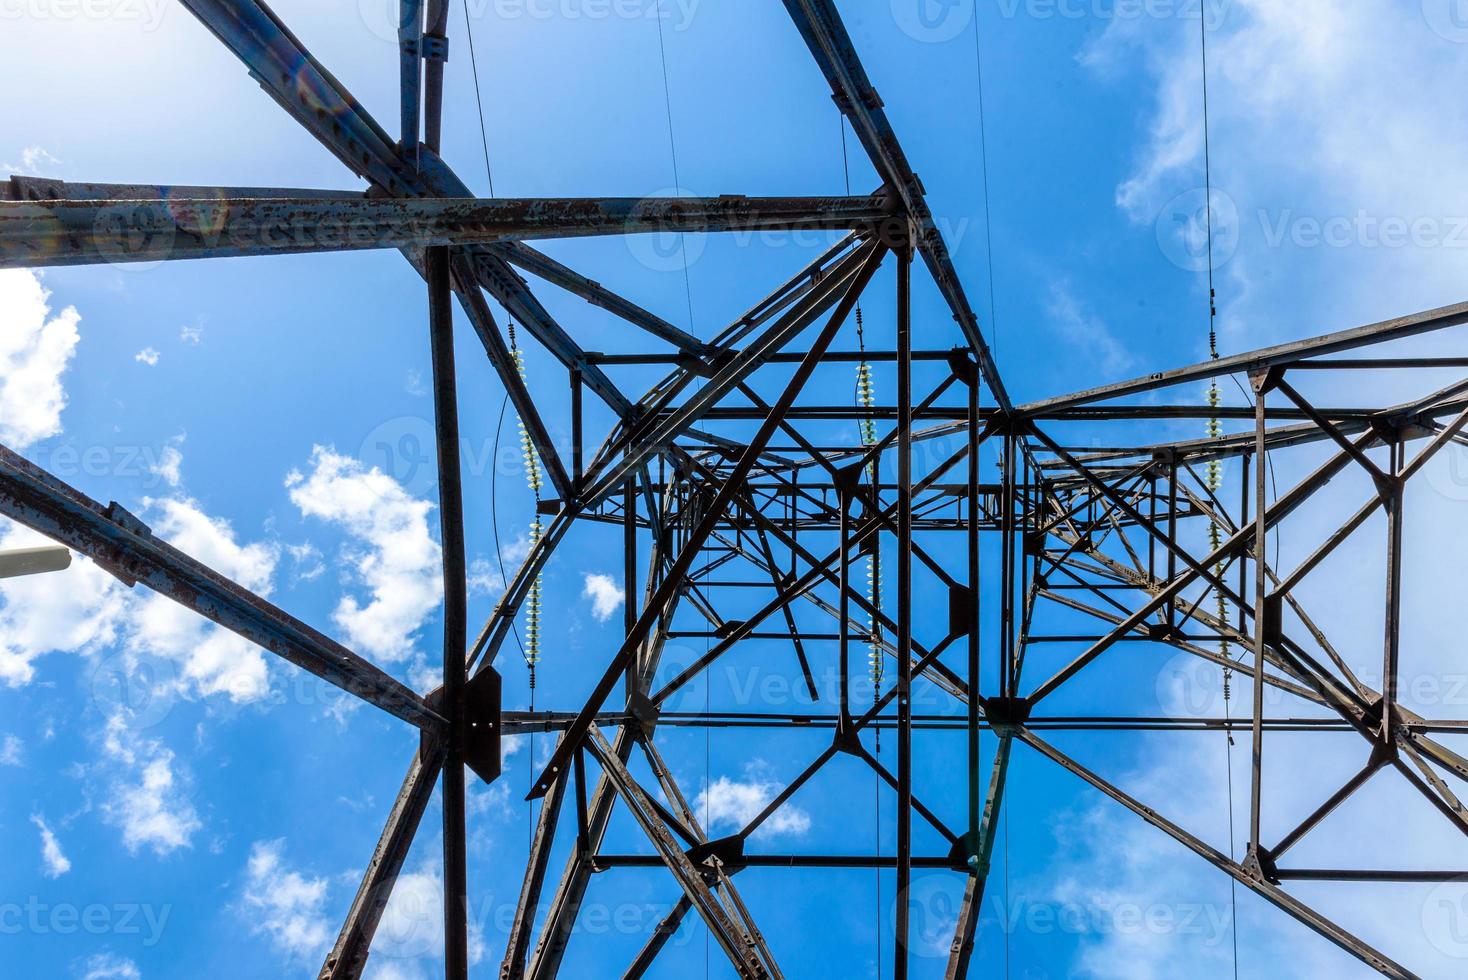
1113	535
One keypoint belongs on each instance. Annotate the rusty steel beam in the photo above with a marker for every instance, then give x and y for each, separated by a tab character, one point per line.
121	543
78	232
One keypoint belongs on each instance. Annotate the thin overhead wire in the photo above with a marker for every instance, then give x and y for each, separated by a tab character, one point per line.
984	171
1215	482
478	99
673	147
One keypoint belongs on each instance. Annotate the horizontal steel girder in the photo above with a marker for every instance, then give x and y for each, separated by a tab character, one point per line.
166	228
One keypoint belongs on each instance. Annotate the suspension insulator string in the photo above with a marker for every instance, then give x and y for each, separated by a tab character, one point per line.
534	481
866	400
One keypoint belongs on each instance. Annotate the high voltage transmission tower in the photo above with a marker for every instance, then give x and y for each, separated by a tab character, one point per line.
741	531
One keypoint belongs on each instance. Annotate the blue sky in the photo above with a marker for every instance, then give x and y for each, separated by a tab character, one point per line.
211	809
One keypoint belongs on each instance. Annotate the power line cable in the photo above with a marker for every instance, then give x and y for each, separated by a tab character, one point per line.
984	170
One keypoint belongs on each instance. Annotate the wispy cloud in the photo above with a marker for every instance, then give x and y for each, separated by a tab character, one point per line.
148	356
55	862
106	966
33	160
1084	332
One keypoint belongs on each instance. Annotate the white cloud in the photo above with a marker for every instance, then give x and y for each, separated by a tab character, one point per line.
56	862
213	660
32	160
412	924
605	594
191	335
285	905
105	966
731	804
147	799
35	349
395	970
306	558
12	752
393	554
77	610
147	356
169	466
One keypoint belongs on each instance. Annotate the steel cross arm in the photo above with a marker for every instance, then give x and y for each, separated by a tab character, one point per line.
689	877
1281	354
123	545
1203	570
510	290
642	440
43	189
75	232
789	293
1327	690
1274	895
348	957
547	268
700	535
1280	437
1281	509
824	33
1204	653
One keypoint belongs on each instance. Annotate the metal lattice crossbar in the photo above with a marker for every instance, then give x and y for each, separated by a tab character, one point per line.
1110	534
